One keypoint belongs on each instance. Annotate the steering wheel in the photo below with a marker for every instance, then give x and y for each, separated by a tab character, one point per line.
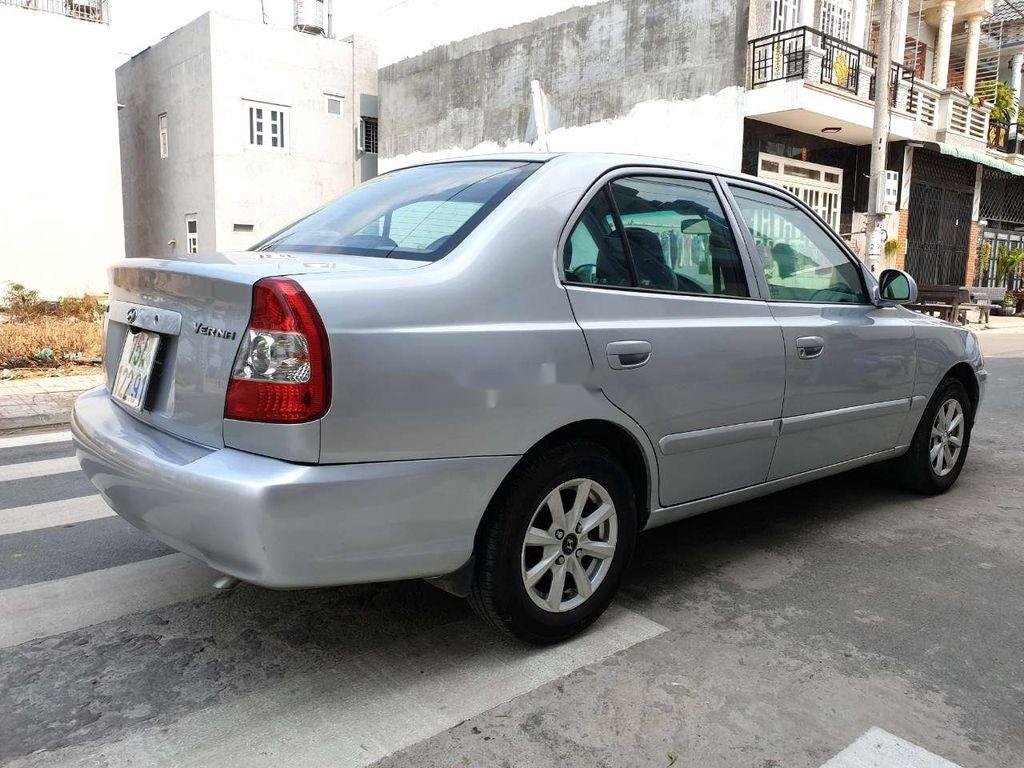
832	289
686	285
584	273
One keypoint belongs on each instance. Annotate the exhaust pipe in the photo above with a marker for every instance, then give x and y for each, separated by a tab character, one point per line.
226	583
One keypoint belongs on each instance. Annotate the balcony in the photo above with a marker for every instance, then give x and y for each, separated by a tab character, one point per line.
801	72
86	10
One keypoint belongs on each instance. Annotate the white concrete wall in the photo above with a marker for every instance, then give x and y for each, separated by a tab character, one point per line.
60	178
265	187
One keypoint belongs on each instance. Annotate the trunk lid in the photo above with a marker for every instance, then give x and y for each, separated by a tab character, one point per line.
200	305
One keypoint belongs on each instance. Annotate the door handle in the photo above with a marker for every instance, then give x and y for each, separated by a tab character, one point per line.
628	354
809	347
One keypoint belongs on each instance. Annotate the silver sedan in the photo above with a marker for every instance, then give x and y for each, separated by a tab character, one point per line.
494	372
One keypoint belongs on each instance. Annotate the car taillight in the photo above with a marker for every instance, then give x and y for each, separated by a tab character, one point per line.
282	372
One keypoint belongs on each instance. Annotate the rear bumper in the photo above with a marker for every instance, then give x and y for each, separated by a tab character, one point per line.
283	525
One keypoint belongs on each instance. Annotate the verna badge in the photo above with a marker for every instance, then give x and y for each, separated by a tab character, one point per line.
205	330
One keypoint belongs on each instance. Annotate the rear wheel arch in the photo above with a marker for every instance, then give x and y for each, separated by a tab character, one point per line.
615	438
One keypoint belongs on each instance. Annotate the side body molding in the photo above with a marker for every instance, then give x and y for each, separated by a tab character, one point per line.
700	439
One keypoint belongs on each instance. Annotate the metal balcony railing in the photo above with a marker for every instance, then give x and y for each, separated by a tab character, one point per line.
805	53
1004	137
87	10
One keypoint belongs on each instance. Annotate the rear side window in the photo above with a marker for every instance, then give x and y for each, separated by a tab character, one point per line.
594	253
657	233
418	213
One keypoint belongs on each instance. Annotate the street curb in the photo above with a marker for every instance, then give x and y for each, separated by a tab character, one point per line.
18	423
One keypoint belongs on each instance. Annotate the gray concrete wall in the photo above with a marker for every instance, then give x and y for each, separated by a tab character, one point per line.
173	76
595	63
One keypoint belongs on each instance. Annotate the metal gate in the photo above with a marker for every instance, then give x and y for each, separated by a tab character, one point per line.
939	222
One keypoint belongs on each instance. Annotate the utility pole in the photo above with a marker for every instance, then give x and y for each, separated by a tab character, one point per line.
891	11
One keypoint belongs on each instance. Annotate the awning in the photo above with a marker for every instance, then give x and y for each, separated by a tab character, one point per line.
975	156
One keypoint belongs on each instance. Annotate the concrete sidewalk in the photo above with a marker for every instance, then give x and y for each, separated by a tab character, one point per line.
42	402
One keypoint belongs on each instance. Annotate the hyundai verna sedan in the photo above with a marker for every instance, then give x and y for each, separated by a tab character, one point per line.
494	372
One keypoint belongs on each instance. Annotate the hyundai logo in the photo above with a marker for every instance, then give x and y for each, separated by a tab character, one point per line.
132	314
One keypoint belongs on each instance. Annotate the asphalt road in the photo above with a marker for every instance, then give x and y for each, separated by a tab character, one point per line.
841	618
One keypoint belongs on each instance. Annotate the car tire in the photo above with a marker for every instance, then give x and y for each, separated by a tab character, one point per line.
933	462
514	583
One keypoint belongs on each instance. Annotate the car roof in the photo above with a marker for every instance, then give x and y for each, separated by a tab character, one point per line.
610	160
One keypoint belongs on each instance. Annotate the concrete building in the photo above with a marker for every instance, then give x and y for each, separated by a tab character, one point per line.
60	173
231	129
778	88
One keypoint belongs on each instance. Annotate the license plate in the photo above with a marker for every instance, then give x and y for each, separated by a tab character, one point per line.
135	368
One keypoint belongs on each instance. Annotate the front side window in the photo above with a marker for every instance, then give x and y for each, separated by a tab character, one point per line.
267	126
417	213
191	234
801	262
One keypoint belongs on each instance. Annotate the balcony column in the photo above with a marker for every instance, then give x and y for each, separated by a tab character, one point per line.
858	24
971	60
807	14
1015	76
940	72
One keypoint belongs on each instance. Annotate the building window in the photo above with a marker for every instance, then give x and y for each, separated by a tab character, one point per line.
334	105
837	18
267	126
244	227
368	135
191	234
785	14
162	123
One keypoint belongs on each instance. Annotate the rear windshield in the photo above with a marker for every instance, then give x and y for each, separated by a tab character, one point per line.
417	213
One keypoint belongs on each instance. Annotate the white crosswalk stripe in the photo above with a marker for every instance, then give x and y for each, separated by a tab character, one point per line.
30	469
35	438
880	749
368	707
53	513
52	607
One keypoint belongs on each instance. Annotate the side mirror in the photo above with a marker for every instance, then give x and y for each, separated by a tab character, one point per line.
894	287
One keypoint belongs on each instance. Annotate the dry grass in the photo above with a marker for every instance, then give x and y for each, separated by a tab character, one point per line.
69	338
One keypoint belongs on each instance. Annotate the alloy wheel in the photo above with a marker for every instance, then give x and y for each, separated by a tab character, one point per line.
947	437
569	545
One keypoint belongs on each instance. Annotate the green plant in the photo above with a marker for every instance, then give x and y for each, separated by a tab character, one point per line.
1005	106
984	257
1008	262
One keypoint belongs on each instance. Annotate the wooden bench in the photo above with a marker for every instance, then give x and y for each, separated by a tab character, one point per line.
943	301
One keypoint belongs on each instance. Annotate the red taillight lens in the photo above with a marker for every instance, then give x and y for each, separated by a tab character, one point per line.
282	372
